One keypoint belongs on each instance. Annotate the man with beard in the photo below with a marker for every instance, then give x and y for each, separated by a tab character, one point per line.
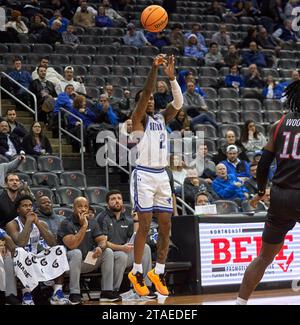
45	213
87	251
8	199
119	229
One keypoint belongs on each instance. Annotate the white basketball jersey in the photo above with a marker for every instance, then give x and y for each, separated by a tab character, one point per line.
152	148
34	238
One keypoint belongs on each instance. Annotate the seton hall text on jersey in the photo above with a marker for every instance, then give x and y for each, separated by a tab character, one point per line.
156	126
292	122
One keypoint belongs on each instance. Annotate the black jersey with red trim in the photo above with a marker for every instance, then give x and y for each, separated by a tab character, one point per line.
287	148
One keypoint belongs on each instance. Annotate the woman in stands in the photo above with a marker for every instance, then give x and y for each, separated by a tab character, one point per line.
251	139
36	143
162	97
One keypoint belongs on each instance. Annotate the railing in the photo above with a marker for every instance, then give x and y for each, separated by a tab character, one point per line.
62	130
185	205
33	111
115	164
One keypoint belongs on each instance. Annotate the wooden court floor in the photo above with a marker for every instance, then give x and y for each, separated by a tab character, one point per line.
263	297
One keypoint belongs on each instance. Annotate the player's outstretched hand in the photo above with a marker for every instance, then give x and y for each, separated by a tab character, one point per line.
160	59
169	67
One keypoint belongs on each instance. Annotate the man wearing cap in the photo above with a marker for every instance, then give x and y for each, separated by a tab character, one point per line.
228	186
134	37
69	80
234	165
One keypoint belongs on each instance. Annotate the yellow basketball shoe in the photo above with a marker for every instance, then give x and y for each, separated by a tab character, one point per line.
159	281
138	283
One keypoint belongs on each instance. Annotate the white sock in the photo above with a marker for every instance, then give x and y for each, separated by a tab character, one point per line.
241	301
57	287
159	268
137	268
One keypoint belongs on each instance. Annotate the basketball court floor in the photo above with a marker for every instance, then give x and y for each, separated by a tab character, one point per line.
263	297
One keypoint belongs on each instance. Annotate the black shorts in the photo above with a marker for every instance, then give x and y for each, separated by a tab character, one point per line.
282	215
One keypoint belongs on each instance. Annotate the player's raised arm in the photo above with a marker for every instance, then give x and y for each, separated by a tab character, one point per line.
173	107
139	113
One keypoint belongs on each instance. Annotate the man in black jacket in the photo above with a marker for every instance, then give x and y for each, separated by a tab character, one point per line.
44	91
9	142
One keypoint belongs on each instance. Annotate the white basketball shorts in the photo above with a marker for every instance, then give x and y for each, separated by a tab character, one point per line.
150	190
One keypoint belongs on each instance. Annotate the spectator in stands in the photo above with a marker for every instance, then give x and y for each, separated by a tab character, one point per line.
32	8
235	166
180	122
251	139
51	36
234	79
192	186
251	183
82	235
205	167
179	172
192	99
10	144
8	197
70	8
216	9
256	158
21	76
45	93
113	100
232	57
228	186
202	198
119	229
200	38
158	39
8	278
252	9
254	56
289	7
15	126
56	4
45	213
267	41
51	74
162	96
69	37
286	33
84	7
251	37
222	37
28	231
117	19
184	76
271	90
36	143
214	58
266	198
230	138
58	16
176	37
282	85
69	80
105	114
125	104
88	118
9	167
102	19
239	9
194	49
84	16
16	22
134	37
37	24
253	79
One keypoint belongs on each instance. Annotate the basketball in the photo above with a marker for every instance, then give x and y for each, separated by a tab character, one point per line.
154	18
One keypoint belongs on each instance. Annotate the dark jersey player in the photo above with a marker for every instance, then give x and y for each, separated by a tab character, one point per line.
284	211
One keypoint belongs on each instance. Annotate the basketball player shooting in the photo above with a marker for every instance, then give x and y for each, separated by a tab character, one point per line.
150	188
284	208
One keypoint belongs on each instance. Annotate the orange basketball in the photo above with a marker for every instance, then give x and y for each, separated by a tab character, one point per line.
154	18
